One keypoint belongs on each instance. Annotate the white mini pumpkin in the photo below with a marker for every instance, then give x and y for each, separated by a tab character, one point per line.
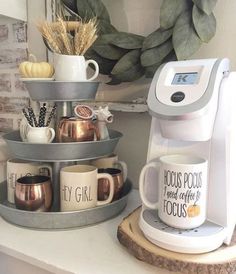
36	69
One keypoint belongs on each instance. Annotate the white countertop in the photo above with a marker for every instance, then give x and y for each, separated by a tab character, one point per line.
89	250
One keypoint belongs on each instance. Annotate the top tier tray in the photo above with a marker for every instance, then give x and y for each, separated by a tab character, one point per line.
60	90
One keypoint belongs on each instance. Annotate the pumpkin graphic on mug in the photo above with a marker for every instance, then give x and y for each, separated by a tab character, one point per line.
193	210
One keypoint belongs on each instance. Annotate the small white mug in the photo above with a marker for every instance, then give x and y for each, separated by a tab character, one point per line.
111	162
41	135
79	187
182	190
73	68
17	168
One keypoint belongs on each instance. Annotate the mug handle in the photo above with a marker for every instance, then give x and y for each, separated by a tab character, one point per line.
96	69
49	168
141	185
124	169
52	131
112	188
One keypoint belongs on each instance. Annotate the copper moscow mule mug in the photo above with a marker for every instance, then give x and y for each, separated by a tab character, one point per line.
103	184
33	193
74	129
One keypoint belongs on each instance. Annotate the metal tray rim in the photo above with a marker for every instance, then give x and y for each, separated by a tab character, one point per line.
68	212
61	91
119	135
59	220
56	81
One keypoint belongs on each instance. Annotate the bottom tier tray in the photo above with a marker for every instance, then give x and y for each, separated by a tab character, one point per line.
61	220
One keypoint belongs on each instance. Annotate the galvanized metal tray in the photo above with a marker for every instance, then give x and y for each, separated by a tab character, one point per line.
61	152
61	220
60	90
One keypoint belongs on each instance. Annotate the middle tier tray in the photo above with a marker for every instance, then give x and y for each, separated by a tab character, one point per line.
61	152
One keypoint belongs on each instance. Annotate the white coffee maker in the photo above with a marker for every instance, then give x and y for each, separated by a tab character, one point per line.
193	108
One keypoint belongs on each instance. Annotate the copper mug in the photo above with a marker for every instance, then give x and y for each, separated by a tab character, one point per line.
74	129
33	193
103	184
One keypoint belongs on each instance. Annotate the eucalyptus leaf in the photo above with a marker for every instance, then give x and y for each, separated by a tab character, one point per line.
170	11
103	47
127	61
105	27
105	65
205	25
88	9
156	38
150	70
127	40
132	74
170	57
114	81
185	39
205	5
108	51
155	55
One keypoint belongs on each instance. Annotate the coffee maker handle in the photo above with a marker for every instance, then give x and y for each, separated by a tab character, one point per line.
142	185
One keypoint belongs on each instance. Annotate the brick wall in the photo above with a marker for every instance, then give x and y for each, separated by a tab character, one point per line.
13	95
13	50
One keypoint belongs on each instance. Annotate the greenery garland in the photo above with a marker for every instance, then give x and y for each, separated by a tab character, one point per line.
125	57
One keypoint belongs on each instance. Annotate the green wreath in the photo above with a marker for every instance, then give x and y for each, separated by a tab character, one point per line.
125	57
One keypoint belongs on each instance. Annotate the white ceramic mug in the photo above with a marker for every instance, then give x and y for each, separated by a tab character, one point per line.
73	68
79	187
17	168
111	162
182	190
41	135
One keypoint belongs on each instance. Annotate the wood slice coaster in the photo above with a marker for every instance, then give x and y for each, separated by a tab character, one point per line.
220	261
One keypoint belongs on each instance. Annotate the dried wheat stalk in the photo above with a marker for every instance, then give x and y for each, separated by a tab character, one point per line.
60	40
65	37
85	35
51	37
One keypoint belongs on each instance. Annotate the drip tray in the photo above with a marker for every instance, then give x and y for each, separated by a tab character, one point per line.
204	238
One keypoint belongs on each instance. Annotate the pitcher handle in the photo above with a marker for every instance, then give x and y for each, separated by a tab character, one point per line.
96	69
52	131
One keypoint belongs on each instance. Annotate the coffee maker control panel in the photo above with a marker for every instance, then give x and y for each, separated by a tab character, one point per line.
182	83
183	96
186	89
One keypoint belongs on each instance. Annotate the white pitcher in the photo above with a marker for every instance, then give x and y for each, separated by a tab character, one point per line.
73	68
41	135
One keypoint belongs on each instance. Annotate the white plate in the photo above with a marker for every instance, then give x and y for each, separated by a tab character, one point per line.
36	79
